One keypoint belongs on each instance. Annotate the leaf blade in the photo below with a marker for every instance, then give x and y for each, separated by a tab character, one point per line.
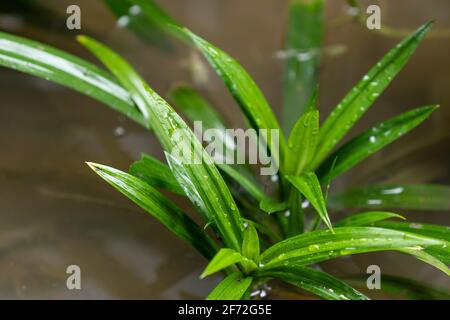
361	97
317	282
308	185
372	140
158	206
233	287
366	218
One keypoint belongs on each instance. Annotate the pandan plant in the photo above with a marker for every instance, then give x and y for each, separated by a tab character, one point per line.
246	232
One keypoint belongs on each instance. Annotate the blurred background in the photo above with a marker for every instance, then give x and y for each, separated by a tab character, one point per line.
55	212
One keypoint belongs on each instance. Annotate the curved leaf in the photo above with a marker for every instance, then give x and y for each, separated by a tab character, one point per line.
158	206
302	143
323	245
46	62
371	141
366	218
317	282
250	244
180	142
308	185
361	97
233	287
223	259
414	196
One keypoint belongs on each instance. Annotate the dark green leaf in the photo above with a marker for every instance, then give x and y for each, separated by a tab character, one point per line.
317	282
159	207
156	174
180	142
361	97
233	287
302	53
371	141
366	218
308	185
57	66
415	197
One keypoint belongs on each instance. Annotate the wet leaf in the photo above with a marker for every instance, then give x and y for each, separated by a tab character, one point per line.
250	245
46	62
302	143
366	218
233	287
180	142
371	141
317	282
362	96
323	245
158	206
222	260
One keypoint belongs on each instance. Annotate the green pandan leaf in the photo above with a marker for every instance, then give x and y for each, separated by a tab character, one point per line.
366	218
371	141
362	96
233	287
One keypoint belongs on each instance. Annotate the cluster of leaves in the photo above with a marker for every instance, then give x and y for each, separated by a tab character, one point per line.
253	237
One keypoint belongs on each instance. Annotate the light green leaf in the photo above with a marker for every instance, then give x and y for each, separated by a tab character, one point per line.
302	57
414	196
46	62
366	218
233	287
302	143
156	174
371	141
250	245
429	230
180	142
361	97
317	282
270	206
323	245
158	206
223	259
308	185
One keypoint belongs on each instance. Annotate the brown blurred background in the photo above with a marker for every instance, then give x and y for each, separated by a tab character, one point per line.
55	212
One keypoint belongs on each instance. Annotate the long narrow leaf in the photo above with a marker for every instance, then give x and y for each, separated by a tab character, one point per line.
415	197
317	282
366	218
233	287
302	143
46	62
308	185
180	142
321	245
302	54
223	259
361	97
371	141
158	206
